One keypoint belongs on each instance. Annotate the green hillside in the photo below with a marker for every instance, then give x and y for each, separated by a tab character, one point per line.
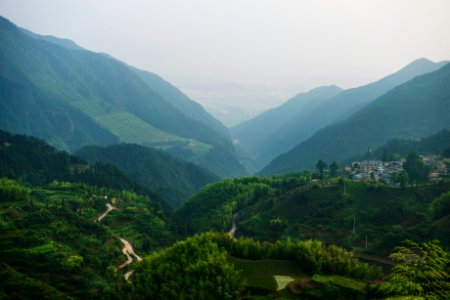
35	162
51	245
294	207
173	179
416	109
307	122
81	98
28	110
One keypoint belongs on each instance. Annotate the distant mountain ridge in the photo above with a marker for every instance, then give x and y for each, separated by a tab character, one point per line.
415	109
252	135
328	111
66	43
74	93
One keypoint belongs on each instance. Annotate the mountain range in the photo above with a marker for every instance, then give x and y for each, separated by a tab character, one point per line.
252	136
286	130
72	97
415	109
54	89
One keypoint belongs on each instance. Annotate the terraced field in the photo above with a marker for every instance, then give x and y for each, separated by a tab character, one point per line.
267	274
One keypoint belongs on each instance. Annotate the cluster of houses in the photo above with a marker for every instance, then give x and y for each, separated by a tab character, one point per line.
370	170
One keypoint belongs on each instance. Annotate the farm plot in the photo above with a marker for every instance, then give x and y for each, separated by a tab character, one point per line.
267	274
340	281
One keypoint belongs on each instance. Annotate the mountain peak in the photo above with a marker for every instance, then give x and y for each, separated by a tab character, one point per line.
422	64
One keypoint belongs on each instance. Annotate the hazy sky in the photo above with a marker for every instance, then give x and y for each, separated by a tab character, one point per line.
275	43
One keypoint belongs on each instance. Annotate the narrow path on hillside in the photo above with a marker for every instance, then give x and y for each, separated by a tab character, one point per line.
233	225
109	208
127	249
129	253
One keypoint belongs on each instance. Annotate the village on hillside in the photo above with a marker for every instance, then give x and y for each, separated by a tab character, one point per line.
386	171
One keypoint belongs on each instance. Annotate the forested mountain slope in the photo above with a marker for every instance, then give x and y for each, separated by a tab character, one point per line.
34	162
416	109
75	92
175	180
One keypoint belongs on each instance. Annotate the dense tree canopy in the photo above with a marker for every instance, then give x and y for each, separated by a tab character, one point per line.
420	270
321	166
334	169
415	168
192	269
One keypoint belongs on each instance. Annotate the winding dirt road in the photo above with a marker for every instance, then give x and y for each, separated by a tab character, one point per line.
233	225
127	249
109	208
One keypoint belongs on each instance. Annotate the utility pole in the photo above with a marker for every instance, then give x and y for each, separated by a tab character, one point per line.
354	223
344	188
366	241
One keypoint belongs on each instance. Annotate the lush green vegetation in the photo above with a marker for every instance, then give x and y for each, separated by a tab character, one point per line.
173	179
415	109
35	162
198	268
300	208
421	270
51	245
192	269
212	207
386	215
49	239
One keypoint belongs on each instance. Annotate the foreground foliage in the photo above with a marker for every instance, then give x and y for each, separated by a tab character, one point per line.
204	267
421	270
192	269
